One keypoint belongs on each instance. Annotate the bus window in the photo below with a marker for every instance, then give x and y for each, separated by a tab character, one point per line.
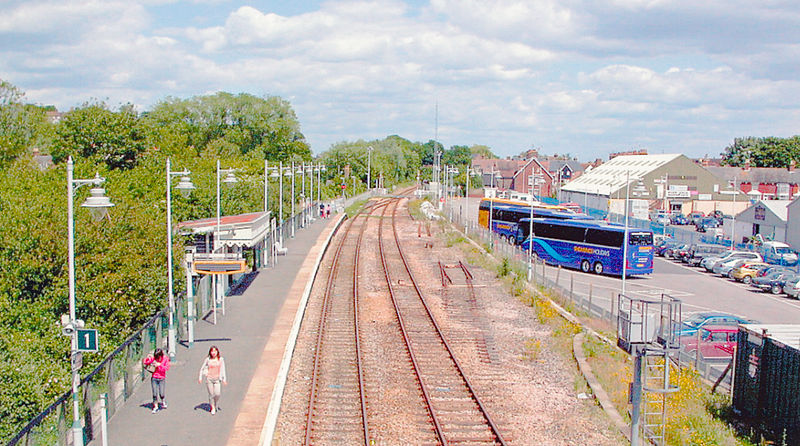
640	238
604	237
572	234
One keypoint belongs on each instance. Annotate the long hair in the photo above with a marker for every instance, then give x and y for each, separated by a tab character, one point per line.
213	347
158	354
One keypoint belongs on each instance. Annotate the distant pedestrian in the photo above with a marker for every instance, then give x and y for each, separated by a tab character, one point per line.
213	370
158	364
322	210
328	211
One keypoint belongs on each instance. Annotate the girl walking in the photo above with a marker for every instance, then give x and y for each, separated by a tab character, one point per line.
213	370
158	364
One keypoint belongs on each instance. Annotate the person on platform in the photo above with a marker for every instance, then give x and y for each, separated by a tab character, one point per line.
158	364
213	370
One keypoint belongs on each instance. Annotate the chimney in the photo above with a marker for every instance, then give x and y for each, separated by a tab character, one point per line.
792	165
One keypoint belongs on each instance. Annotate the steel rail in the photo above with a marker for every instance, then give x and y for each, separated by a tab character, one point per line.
490	422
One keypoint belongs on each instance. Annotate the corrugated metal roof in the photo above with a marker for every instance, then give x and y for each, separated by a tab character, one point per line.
777	207
612	175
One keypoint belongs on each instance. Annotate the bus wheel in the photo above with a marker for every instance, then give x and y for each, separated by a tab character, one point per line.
585	266
598	268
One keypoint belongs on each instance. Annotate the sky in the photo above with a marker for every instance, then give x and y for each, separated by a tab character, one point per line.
578	77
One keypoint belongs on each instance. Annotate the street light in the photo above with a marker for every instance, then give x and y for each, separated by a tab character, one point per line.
534	182
494	174
637	189
733	192
230	178
470	173
369	167
664	182
98	205
186	187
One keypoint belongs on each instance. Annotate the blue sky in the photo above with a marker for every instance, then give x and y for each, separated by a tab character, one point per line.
584	77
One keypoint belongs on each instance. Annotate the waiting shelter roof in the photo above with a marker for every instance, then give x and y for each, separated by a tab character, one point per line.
243	230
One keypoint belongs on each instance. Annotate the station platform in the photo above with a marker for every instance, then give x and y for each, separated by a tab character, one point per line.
252	337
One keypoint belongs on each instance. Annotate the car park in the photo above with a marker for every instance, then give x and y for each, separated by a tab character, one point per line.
774	281
747	271
695	217
679	219
708	263
660	250
694	321
672	251
716	342
706	223
723	267
792	287
699	251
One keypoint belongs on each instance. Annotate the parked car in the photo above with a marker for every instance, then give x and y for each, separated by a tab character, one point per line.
679	219
774	281
695	321
716	342
717	215
747	271
792	287
662	219
672	251
709	262
695	217
724	266
699	251
706	223
660	250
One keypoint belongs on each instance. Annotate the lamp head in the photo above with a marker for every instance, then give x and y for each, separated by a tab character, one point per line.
185	186
230	178
274	173
97	203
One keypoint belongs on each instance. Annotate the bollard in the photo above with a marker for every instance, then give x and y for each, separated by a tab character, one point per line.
590	299
104	418
611	317
558	274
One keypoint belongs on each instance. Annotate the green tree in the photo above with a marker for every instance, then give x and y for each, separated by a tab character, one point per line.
96	132
762	152
22	126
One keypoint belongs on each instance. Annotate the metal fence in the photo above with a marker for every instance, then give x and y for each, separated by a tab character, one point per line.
111	383
596	302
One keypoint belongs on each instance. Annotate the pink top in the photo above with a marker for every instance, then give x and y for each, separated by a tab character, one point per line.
213	369
161	367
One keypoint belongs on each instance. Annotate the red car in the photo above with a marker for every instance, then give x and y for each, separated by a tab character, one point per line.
716	342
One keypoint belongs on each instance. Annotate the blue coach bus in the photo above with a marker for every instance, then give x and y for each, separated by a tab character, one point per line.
506	214
588	245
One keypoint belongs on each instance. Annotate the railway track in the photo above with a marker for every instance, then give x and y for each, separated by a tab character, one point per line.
337	405
456	413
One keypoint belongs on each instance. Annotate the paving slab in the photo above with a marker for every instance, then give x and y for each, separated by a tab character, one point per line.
241	335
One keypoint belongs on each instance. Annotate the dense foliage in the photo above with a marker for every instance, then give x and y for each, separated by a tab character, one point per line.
762	152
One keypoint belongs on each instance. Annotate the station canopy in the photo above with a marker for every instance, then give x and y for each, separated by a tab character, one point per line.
242	231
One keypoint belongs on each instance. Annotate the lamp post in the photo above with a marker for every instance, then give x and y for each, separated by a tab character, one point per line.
494	174
185	186
470	174
639	187
733	192
534	182
369	168
98	205
230	178
664	181
292	214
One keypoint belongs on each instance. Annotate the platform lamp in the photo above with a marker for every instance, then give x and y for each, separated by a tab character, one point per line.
734	191
185	187
494	175
98	205
469	174
230	178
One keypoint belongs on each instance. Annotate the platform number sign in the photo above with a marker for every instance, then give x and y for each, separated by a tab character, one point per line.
87	340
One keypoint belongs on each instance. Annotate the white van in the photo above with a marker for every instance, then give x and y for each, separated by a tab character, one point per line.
778	253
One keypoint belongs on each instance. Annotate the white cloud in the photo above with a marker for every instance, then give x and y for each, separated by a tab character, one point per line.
574	76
